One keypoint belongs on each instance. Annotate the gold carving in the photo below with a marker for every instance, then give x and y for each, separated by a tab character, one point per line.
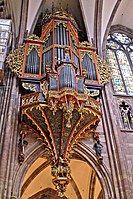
61	173
61	14
29	86
44	87
47	35
86	44
34	46
80	97
15	60
74	23
47	49
34	38
104	70
83	53
30	99
91	92
57	23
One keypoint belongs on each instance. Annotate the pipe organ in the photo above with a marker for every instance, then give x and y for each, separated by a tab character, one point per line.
60	76
59	52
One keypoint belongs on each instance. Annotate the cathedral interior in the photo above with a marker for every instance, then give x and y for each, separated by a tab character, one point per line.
66	99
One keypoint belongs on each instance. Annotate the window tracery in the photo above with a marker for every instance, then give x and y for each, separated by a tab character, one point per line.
120	57
126	115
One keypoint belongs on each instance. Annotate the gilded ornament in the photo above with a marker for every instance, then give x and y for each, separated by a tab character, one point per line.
104	70
43	87
61	173
34	46
47	35
61	14
86	44
29	86
57	23
15	60
74	23
83	53
91	92
34	38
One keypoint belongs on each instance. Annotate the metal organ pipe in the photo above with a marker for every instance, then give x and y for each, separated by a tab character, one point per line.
43	66
61	35
62	54
67	77
80	85
58	42
55	35
64	36
89	66
32	62
75	60
67	38
61	38
56	58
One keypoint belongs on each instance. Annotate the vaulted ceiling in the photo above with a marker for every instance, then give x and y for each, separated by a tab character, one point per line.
38	181
98	15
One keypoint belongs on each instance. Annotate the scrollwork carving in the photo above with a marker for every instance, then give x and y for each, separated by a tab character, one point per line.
15	60
104	70
47	35
36	47
57	23
83	53
34	38
29	86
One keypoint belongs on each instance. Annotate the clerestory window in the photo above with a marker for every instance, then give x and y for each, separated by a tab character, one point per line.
120	58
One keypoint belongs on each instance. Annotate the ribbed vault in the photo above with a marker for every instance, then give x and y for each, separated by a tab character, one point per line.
84	181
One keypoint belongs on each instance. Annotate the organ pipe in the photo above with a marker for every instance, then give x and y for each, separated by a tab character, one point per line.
54	42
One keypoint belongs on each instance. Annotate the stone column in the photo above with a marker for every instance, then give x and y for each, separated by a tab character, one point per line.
9	139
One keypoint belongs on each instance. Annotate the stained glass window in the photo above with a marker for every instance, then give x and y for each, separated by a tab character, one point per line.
120	57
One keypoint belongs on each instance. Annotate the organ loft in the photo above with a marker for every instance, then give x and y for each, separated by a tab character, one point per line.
61	80
66	99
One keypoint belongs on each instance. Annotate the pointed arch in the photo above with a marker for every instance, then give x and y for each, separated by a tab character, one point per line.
82	150
108	28
101	170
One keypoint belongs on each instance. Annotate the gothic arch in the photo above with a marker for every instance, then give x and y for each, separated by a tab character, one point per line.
36	18
122	29
82	150
115	28
109	27
87	154
34	152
